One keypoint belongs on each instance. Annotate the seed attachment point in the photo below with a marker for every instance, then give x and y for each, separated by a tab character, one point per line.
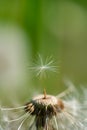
45	94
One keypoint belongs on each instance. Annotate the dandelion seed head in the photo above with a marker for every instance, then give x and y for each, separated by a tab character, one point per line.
42	101
44	107
48	112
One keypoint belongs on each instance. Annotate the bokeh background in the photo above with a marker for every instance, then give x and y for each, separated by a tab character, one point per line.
55	28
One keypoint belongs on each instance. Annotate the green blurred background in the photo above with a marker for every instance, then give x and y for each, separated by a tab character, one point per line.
47	27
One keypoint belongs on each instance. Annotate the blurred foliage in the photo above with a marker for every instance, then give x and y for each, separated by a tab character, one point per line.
54	27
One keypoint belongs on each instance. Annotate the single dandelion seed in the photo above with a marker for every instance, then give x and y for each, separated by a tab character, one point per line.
42	68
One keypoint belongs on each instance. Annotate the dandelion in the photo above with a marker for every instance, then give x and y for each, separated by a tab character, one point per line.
42	68
48	112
